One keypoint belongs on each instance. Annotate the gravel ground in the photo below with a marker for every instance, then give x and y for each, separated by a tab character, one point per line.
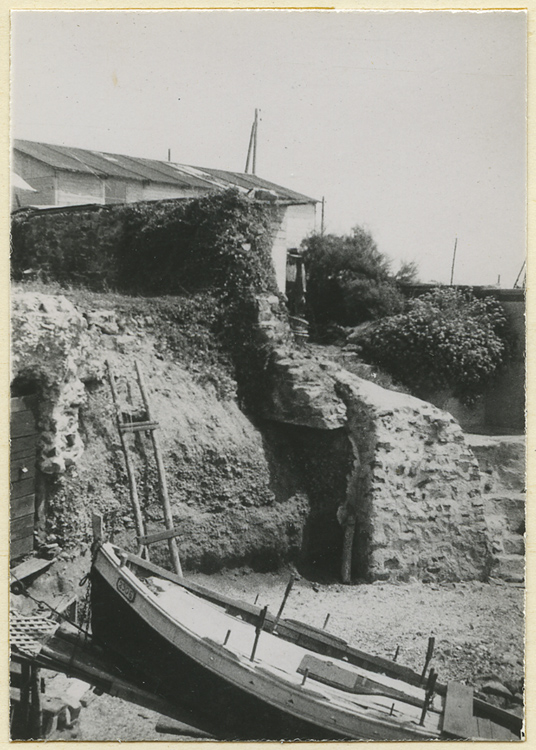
478	629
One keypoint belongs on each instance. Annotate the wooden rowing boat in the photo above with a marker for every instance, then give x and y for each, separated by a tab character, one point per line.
245	675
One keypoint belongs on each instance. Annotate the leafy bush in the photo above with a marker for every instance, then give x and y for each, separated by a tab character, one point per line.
446	339
349	280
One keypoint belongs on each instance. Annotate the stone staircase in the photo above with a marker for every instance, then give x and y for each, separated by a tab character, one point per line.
502	465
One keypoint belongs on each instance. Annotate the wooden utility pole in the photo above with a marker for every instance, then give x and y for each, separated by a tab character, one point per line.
519	275
453	261
322	216
256	125
252	148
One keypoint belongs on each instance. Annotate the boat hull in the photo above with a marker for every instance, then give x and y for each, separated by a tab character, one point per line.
218	689
224	709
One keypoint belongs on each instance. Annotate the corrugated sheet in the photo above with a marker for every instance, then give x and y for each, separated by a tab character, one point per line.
252	181
103	165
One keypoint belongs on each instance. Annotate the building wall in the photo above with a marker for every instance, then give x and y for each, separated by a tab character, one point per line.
153	191
40	176
75	188
298	222
134	192
115	191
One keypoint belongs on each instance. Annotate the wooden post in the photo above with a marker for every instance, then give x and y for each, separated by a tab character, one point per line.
36	713
290	584
25	700
164	497
138	518
349	532
430	687
258	631
429	654
96	523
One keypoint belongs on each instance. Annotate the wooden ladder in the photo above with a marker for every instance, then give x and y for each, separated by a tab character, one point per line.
132	422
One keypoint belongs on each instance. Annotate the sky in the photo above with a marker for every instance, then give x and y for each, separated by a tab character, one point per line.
411	124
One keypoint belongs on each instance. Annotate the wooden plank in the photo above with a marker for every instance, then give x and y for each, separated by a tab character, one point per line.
19	547
22	424
29	568
21	527
345	679
23	446
21	403
458	714
138	426
22	506
315	633
483	728
23	488
328	673
97	527
499	715
22	467
499	732
158	536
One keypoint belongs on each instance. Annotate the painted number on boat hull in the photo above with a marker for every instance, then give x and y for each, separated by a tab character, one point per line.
126	590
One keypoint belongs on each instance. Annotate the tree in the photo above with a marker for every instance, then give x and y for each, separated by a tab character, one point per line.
349	279
446	339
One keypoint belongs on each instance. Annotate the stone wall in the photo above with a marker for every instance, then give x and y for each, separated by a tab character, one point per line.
417	499
413	504
52	353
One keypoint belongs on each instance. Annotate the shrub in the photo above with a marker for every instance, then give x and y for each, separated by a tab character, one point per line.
348	280
446	339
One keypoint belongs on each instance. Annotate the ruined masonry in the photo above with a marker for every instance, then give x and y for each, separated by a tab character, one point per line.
414	492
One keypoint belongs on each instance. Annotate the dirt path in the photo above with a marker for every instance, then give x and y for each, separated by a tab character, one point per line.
479	631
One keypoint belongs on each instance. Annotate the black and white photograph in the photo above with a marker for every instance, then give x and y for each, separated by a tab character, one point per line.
267	375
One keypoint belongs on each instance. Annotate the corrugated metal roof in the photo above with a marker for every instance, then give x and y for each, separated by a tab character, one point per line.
124	167
252	181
